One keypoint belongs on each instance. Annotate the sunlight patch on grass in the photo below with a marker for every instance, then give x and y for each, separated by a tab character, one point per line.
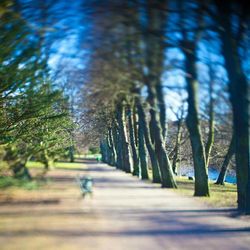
88	156
63	165
220	195
34	164
69	165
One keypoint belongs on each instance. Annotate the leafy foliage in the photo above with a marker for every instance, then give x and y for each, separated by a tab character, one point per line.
34	117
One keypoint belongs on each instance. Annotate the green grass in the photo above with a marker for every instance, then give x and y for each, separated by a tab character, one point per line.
8	181
64	165
220	195
89	156
69	165
34	164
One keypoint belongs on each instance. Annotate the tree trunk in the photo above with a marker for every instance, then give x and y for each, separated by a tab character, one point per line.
193	125
142	153
71	154
162	108
126	157
143	122
239	96
103	149
224	167
117	145
167	178
135	124
132	142
154	40
210	140
20	170
155	53
111	147
177	147
46	160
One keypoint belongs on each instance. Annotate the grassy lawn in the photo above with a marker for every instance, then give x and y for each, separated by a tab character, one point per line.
64	165
220	196
37	172
89	156
9	181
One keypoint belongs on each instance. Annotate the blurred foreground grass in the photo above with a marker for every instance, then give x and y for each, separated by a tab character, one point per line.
220	195
38	175
9	181
88	156
59	164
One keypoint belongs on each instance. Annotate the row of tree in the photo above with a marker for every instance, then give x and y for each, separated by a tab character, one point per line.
142	53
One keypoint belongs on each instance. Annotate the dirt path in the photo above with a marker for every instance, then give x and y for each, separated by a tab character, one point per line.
124	213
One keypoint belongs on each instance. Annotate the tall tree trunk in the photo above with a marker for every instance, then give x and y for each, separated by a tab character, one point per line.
105	150
71	154
193	124
155	49
143	123
225	164
151	131
156	21
117	144
167	178
210	140
239	96
162	107
135	124
108	150
177	147
132	142
142	153
102	150
111	147
126	157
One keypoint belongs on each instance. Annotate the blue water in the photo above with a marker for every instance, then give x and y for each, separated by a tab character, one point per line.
212	174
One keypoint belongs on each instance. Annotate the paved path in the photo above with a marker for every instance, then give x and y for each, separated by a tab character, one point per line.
124	213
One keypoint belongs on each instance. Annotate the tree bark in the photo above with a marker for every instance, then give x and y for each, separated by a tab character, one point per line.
20	170
111	147
156	21
126	157
132	142
162	107
224	167
193	124
239	97
177	147
135	124
142	154
143	122
103	149
210	140
71	154
117	144
167	178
